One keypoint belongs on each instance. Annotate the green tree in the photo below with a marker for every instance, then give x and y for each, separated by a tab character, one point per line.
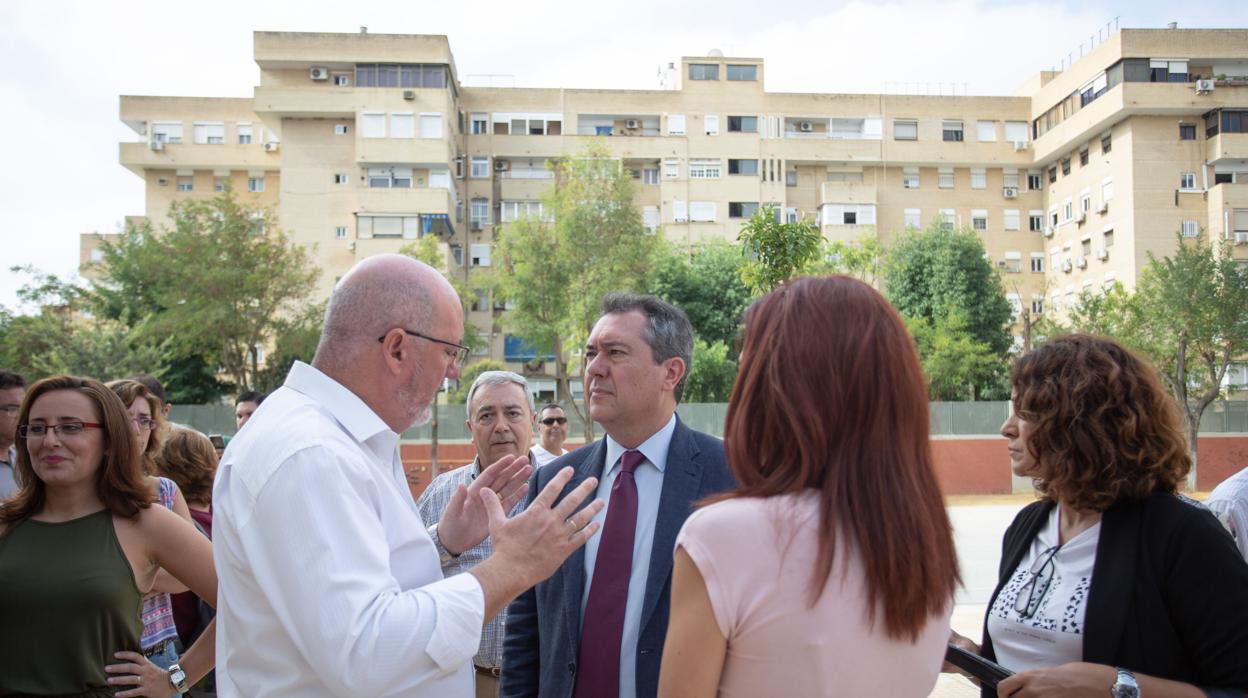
942	271
776	252
863	259
706	285
215	283
459	395
295	340
957	366
712	375
555	269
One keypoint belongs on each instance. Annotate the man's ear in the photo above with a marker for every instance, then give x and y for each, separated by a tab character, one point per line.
674	370
394	350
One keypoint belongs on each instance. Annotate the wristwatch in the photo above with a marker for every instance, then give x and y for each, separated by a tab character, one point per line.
177	677
444	556
1126	686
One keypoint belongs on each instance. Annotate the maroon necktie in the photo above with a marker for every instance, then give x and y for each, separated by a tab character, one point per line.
598	671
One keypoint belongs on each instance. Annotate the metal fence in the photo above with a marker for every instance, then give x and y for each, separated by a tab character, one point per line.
947	419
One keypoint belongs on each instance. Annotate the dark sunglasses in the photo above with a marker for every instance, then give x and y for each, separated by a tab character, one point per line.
551	421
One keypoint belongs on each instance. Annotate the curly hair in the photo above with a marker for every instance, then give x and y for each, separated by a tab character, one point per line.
1103	429
190	460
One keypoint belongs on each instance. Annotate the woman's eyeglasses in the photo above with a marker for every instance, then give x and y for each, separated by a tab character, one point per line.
32	432
144	423
1037	585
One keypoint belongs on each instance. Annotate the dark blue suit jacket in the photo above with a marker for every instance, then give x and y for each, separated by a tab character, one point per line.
543	634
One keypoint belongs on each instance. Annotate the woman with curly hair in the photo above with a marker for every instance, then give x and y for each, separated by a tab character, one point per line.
1112	582
190	460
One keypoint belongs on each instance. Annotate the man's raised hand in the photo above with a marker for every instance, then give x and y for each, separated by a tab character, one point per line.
465	522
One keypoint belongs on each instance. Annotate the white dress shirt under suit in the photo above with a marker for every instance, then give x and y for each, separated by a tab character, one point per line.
328	581
649	479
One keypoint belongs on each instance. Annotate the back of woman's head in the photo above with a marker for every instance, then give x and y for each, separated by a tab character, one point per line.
1102	427
131	390
830	397
120	483
190	460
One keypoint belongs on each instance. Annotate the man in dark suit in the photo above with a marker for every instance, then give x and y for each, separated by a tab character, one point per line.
595	629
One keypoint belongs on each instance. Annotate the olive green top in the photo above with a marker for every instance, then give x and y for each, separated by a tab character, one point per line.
68	601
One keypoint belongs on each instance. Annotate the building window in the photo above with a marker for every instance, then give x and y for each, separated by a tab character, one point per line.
1065	166
986	131
1053	174
1013	263
210	133
650	175
671	169
1035	221
1107	143
340	233
390	177
1108	237
979	219
1068	210
244	134
703	71
741	167
430	125
743	73
1009	177
219	183
790	178
1083	157
979	178
1187	132
1187	180
373	125
946	178
951	130
702	211
910	178
479	255
743	124
480	124
1085	202
1034	181
913	218
341	178
1053	217
511	211
479	213
705	169
402	125
255	185
186	184
1190	229
1107	190
710	123
742	209
480	168
1037	262
947	216
675	124
342	81
400	75
340	129
1011	218
166	132
905	130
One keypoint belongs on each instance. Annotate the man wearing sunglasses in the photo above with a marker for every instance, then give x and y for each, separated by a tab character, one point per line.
552	431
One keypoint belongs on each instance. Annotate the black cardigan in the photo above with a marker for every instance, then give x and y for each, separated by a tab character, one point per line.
1169	594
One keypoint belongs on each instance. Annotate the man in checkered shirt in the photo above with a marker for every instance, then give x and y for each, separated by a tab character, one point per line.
500	417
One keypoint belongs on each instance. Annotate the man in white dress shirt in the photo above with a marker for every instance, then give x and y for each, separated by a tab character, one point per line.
552	430
330	584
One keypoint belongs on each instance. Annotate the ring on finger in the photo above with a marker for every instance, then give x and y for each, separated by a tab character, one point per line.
571	524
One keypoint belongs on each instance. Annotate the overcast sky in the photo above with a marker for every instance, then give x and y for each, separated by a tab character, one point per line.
69	61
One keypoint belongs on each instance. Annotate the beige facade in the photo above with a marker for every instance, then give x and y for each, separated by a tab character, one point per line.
364	142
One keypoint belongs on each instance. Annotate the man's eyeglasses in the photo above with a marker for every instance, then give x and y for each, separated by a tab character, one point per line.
10	409
144	423
461	351
552	421
38	431
1037	585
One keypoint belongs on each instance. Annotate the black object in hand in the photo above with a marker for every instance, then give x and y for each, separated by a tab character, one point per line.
987	671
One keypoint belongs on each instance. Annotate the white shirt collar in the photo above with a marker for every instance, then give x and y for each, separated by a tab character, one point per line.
654	448
345	406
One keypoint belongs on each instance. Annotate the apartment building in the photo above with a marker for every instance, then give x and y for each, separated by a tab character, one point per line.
363	142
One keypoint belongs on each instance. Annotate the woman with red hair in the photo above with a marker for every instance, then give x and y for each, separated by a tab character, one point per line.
832	568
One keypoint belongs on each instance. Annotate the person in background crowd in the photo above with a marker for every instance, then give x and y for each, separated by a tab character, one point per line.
552	431
189	459
12	389
596	628
219	442
330	582
156	388
246	405
1111	583
160	634
500	419
790	585
1229	502
80	544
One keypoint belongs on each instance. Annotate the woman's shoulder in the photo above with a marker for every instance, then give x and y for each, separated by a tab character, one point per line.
745	517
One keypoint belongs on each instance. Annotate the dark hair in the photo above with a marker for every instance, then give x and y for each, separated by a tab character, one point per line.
9	379
668	332
548	406
119	481
1103	429
189	459
153	386
830	398
131	390
249	396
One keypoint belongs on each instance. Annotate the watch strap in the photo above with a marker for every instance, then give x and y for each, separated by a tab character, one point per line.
444	556
177	677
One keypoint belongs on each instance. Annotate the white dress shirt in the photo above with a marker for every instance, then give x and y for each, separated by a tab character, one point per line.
543	456
649	479
328	583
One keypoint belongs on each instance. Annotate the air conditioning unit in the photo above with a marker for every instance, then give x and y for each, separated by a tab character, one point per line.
1102	254
318	73
1104	207
158	145
805	127
1204	87
409	95
1066	267
1241	238
632	123
1081	262
475	226
271	146
1021	145
501	165
1083	216
1009	192
351	245
1048	231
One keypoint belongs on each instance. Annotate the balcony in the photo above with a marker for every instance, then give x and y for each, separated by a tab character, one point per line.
426	200
1227	146
324	102
627	147
414	151
848	193
139	157
524	189
527	146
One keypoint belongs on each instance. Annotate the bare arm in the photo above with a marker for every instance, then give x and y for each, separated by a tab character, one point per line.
693	654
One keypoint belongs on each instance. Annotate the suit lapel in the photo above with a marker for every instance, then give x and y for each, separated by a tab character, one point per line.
572	571
1116	549
682	483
